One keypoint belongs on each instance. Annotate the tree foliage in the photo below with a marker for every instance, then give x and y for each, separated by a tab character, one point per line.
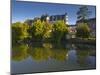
36	30
59	30
47	33
83	30
83	13
39	30
19	31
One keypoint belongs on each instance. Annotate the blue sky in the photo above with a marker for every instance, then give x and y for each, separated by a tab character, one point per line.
28	10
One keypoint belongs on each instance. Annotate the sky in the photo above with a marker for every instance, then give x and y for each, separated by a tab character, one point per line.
22	11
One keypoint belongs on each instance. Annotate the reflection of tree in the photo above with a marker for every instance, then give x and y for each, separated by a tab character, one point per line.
47	51
83	51
39	53
82	55
19	52
59	54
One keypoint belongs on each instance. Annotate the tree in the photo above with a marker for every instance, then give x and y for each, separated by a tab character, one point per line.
83	13
47	30
19	31
59	30
36	31
40	30
83	30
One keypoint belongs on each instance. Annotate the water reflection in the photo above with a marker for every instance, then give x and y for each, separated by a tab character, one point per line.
39	54
83	52
19	52
71	56
47	51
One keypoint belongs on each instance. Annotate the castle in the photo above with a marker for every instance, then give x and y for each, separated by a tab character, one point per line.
54	18
51	19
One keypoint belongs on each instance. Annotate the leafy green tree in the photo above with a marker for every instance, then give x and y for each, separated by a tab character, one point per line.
83	13
59	30
37	29
47	31
83	30
40	30
19	31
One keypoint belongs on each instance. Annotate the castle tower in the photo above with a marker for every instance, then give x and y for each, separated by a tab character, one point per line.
66	18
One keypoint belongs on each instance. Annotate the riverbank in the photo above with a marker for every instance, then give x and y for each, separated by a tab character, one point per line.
83	41
71	40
